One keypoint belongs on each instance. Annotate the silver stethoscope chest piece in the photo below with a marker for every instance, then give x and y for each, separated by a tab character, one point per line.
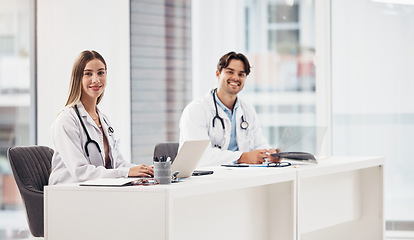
244	125
111	131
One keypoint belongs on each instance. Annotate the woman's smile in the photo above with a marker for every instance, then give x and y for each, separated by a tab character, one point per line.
95	88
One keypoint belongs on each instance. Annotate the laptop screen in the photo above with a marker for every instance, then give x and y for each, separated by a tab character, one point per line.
188	157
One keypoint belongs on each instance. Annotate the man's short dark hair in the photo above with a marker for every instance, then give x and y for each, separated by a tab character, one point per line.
225	61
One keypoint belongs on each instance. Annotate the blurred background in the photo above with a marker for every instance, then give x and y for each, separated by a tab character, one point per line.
330	77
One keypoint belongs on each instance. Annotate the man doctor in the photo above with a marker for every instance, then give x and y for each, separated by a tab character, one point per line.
230	123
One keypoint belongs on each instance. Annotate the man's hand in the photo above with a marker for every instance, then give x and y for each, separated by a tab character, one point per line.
254	157
270	158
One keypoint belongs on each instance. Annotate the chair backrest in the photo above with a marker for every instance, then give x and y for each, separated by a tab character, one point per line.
31	169
170	149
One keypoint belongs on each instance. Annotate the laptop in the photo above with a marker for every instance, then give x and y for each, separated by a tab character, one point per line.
188	157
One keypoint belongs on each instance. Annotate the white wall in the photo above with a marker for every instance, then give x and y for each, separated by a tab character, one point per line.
66	28
217	28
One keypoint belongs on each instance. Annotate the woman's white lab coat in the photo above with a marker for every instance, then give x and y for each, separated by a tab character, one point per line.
70	162
197	123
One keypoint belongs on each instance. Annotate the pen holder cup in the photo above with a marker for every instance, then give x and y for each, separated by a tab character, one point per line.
162	172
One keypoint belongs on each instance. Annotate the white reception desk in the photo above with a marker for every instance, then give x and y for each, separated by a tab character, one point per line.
340	198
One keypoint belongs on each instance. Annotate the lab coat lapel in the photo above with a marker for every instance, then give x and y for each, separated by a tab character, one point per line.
85	116
111	141
221	113
95	157
239	114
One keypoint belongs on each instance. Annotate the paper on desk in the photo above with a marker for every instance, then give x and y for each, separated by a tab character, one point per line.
300	162
108	182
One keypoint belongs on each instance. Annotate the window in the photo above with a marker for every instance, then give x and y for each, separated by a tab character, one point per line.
282	88
15	105
284	28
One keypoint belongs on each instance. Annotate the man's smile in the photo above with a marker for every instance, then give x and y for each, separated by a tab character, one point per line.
233	83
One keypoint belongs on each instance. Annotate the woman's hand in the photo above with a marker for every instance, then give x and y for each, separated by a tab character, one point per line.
141	170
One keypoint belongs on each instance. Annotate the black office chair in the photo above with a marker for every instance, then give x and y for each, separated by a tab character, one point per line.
31	169
169	149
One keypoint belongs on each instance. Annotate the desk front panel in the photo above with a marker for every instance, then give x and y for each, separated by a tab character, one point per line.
341	200
106	214
260	213
240	204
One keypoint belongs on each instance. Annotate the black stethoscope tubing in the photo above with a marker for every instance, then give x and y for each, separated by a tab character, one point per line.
243	125
89	139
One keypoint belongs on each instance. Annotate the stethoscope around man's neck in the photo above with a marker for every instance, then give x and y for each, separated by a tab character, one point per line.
243	125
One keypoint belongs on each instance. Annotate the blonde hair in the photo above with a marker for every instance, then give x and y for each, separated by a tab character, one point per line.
75	87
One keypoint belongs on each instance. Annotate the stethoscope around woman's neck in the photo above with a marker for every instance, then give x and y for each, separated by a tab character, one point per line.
88	137
243	125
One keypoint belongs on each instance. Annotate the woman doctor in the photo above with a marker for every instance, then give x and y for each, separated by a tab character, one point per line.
228	121
85	147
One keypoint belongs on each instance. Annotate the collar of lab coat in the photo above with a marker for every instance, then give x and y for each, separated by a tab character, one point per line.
239	111
85	115
224	107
